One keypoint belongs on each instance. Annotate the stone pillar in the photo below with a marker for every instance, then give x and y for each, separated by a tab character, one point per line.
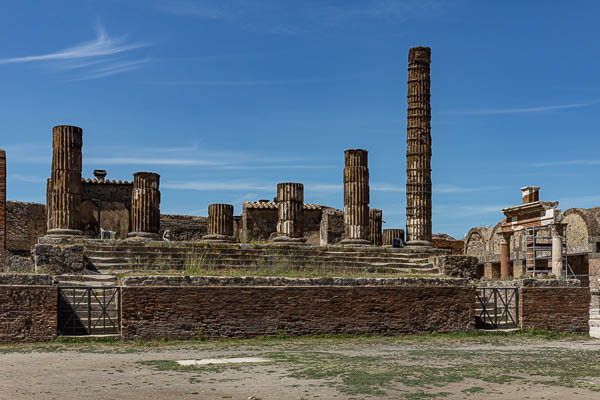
145	206
220	223
390	234
64	199
356	198
418	149
504	255
290	213
375	225
557	249
3	251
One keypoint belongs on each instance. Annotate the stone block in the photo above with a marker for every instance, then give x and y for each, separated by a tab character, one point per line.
457	266
57	259
491	270
519	269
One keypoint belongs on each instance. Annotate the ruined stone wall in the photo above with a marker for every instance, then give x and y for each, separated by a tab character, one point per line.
28	313
106	205
184	228
577	232
558	309
475	243
457	247
332	227
237	312
25	222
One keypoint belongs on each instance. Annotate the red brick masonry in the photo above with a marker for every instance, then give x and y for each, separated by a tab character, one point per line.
28	313
236	312
556	309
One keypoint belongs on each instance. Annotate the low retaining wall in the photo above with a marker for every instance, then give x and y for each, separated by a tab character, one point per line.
28	313
190	312
559	309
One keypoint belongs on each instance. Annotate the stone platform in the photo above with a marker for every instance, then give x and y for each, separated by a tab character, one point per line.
109	256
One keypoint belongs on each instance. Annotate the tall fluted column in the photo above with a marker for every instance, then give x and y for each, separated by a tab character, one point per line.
356	198
64	190
145	206
290	210
375	225
2	206
418	149
504	254
220	223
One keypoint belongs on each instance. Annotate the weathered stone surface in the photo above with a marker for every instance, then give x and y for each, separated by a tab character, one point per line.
220	223
26	279
290	212
458	266
178	280
183	228
3	233
18	263
356	197
418	150
531	282
214	312
25	223
390	234
56	259
64	188
375	226
28	313
442	241
145	205
114	216
559	309
332	227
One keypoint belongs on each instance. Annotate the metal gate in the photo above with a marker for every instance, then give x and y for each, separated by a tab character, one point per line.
497	308
89	310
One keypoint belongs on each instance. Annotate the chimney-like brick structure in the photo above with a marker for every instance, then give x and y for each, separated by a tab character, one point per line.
418	149
530	194
220	223
145	206
390	234
375	225
2	207
64	188
356	198
290	211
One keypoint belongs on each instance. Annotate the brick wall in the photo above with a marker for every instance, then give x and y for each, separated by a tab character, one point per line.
560	309
25	222
28	313
107	191
188	312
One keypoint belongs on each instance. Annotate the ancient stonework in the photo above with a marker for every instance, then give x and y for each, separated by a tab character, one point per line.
458	266
3	251
145	206
375	225
290	212
356	198
418	150
64	187
390	234
220	223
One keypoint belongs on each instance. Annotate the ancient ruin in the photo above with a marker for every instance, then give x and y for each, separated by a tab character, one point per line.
375	226
290	213
390	234
145	206
220	223
418	149
356	197
3	248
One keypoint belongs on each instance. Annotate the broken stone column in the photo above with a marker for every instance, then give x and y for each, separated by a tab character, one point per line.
390	234
375	225
220	223
3	251
290	212
557	249
64	188
356	198
145	206
418	149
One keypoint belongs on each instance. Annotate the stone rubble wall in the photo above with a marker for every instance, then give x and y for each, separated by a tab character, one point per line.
558	309
458	266
456	246
27	313
25	223
183	228
194	312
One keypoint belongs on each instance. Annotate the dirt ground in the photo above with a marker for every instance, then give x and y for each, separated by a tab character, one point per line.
525	366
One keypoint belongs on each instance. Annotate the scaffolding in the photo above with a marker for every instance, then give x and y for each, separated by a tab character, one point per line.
538	252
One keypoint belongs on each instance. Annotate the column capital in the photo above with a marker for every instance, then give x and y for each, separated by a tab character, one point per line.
557	230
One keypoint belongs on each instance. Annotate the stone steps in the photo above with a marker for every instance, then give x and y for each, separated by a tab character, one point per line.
86	280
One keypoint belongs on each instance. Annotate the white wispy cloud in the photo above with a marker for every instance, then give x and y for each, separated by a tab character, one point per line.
218	186
26	178
448	188
566	163
258	82
150	161
96	56
522	110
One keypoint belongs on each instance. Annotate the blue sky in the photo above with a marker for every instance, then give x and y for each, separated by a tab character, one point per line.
226	98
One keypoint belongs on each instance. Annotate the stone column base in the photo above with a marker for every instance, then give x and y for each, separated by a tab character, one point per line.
356	242
143	235
286	240
64	232
218	238
418	243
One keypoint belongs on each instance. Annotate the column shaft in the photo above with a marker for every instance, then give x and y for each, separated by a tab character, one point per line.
220	223
356	197
2	206
557	250
290	212
504	256
375	225
418	149
145	205
64	190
